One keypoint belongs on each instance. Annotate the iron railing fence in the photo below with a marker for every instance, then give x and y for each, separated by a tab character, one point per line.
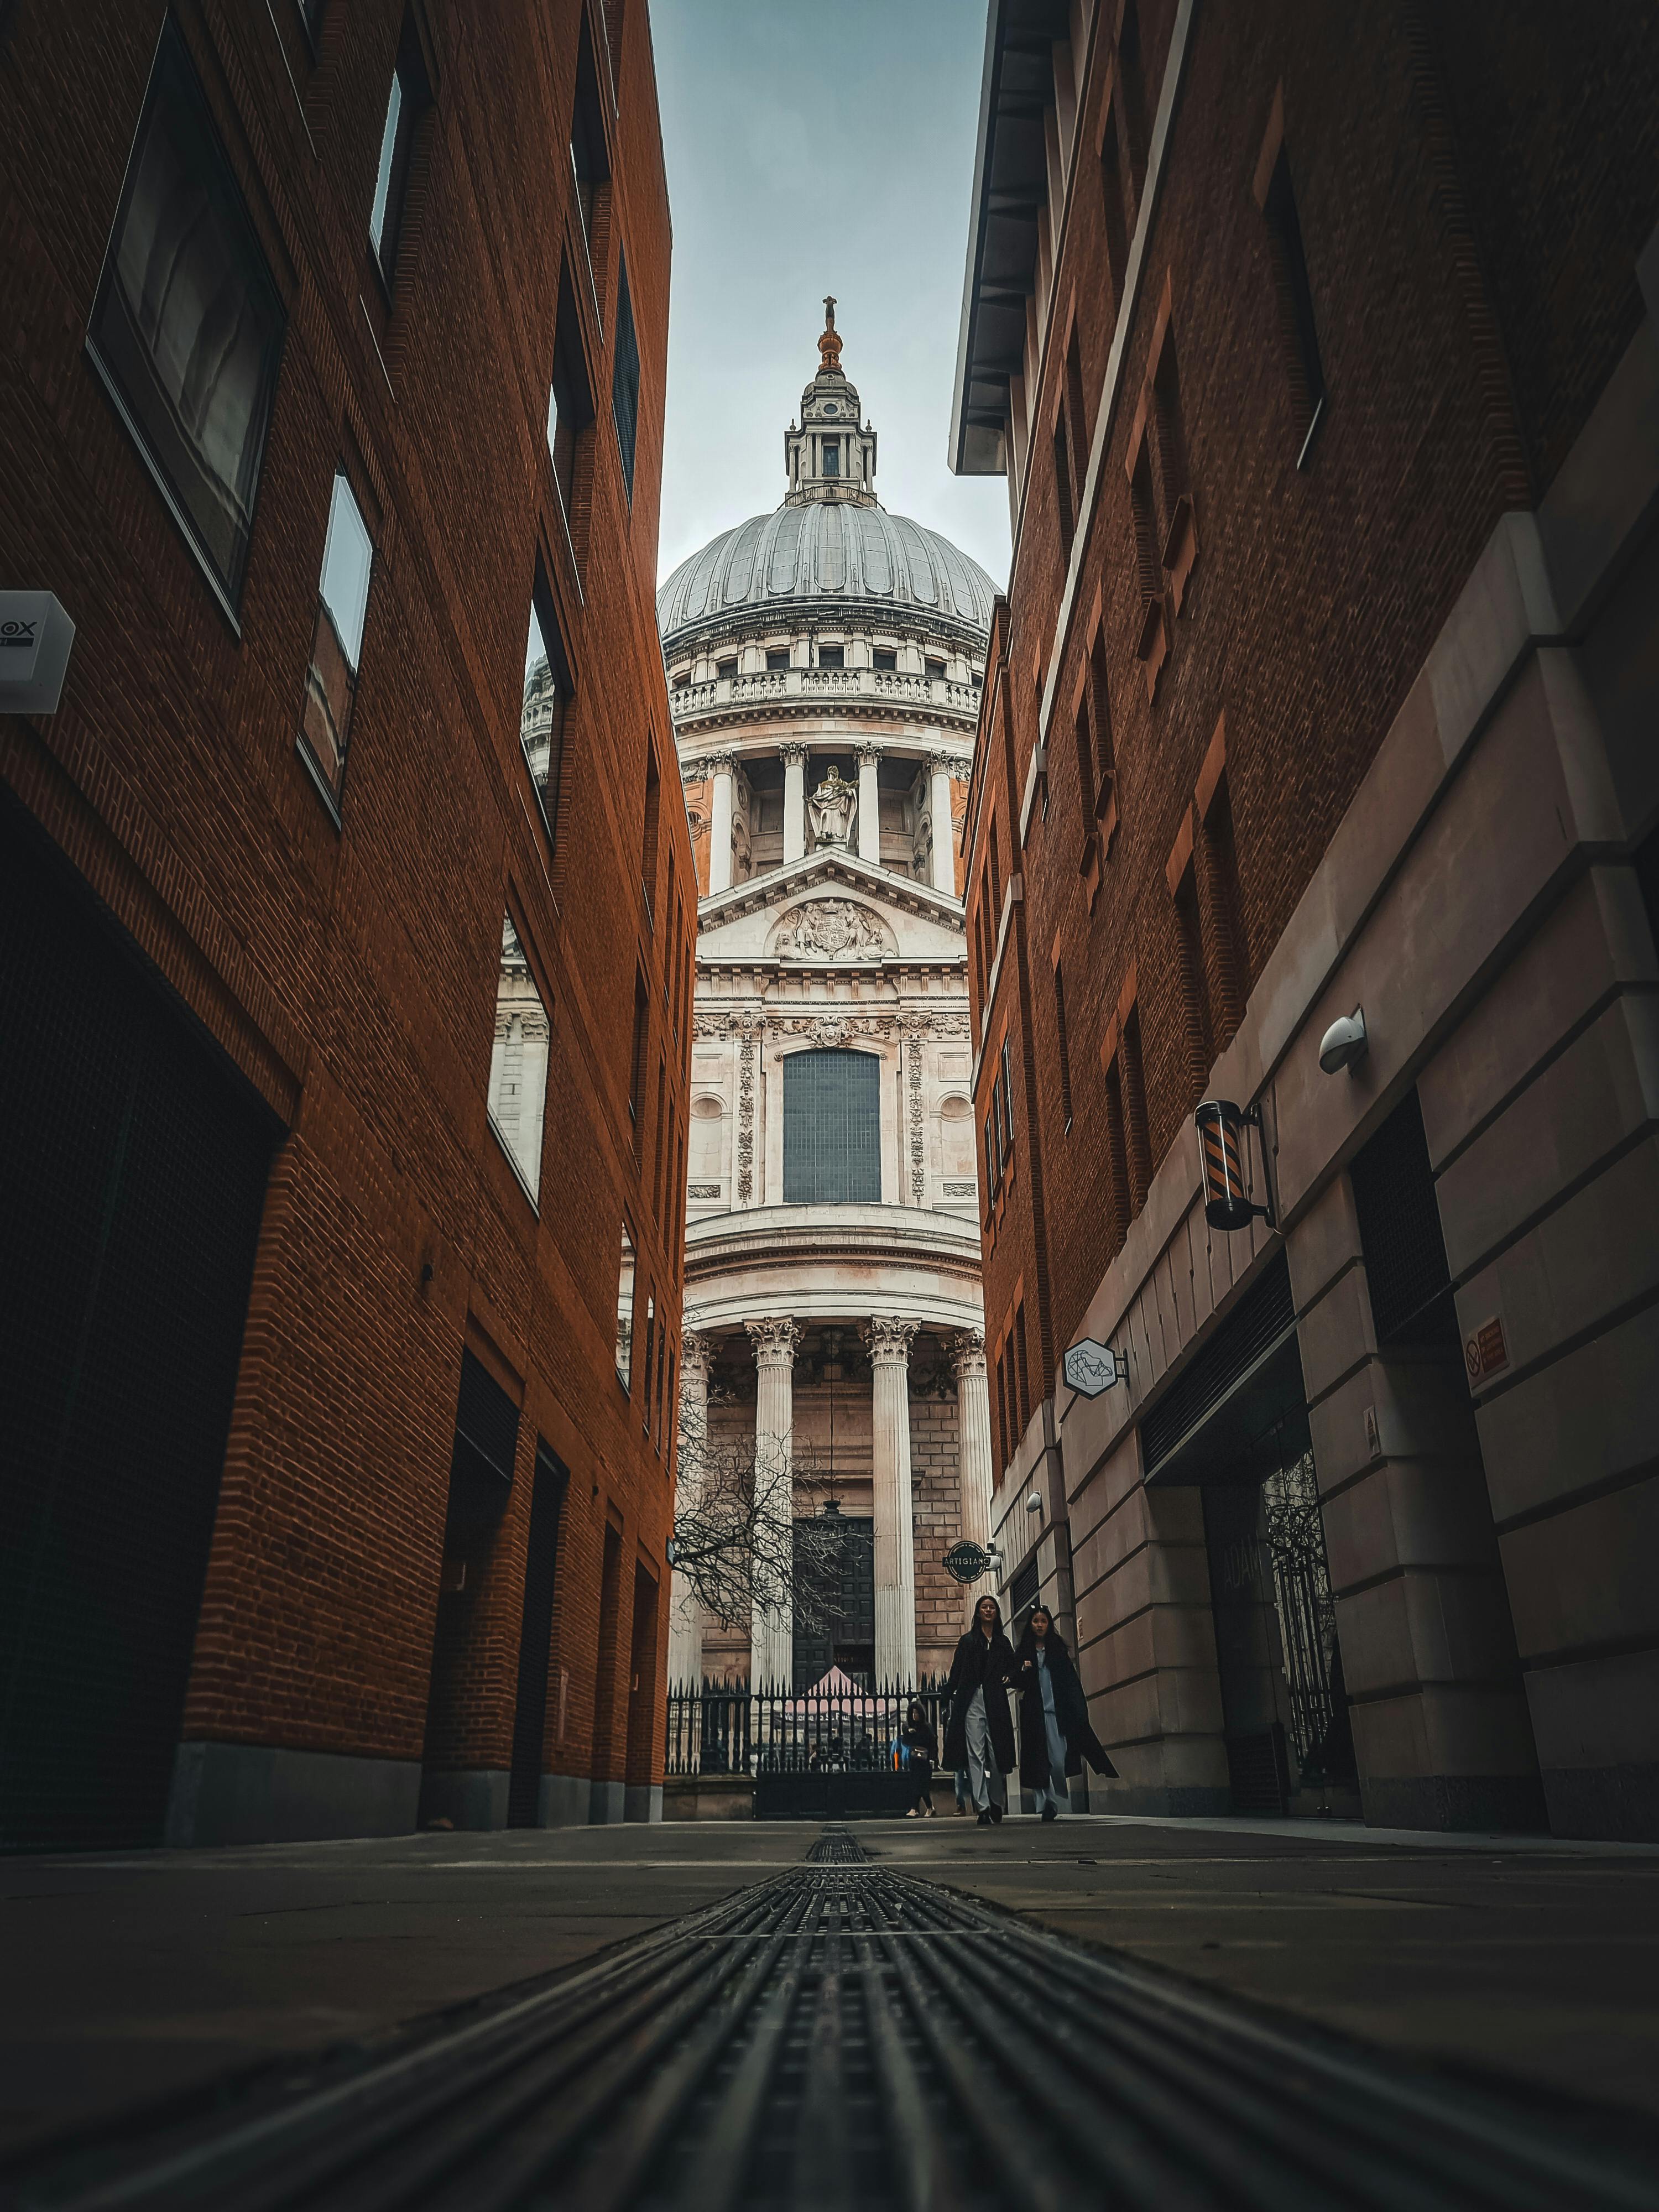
726	1728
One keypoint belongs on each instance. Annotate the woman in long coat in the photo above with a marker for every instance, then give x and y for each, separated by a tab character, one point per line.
980	1733
1055	1735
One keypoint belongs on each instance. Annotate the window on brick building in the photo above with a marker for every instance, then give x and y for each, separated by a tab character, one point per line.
1130	88
518	1062
777	656
650	1375
1135	1110
1065	1044
1004	1403
832	656
187	328
636	1058
885	656
625	380
1083	737
337	639
1100	714
1194	984
1113	200
1298	332
992	1175
590	159
659	1131
1065	507
1022	1372
1226	960
407	104
625	1274
1117	1150
1175	490
310	14
1006	1082
569	400
1149	566
648	835
544	718
1077	423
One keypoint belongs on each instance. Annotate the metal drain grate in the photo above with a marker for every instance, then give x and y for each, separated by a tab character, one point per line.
847	2038
837	1847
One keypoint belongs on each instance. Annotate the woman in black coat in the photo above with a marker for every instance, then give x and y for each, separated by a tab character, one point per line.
1055	1735
980	1733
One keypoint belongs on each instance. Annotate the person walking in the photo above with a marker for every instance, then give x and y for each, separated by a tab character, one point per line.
918	1738
980	1733
1055	1735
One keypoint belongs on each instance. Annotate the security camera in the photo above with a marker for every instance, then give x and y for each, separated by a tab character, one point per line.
1034	1504
1344	1044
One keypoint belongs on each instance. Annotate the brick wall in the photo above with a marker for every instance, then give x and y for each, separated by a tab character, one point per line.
1471	195
351	971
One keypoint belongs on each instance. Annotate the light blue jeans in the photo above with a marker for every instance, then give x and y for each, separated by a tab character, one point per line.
1056	1793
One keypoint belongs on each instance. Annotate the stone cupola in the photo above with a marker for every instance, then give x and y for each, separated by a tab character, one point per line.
832	454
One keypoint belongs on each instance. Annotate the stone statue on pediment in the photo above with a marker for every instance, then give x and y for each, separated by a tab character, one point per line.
832	810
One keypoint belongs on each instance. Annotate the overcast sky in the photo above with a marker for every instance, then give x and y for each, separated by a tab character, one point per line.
817	146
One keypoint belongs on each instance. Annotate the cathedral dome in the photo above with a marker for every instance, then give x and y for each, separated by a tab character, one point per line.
822	556
831	548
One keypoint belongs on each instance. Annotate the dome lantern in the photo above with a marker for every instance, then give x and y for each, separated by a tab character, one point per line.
832	454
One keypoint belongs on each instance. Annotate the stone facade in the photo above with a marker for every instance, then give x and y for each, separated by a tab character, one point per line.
1321	685
824	726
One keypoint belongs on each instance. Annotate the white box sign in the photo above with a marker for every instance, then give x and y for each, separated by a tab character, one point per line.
35	637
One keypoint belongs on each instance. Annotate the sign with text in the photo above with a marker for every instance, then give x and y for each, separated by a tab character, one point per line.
35	637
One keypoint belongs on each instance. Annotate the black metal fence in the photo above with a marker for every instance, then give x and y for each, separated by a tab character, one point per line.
819	1755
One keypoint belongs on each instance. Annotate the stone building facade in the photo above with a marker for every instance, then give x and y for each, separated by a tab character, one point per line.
824	664
1321	353
341	927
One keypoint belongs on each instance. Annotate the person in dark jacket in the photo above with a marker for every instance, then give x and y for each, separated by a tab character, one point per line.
980	1733
918	1738
1055	1735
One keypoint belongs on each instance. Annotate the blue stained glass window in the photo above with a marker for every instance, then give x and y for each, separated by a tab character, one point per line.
832	1129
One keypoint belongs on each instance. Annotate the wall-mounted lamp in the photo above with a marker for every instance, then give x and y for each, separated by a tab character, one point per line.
1033	1503
1221	1125
1344	1044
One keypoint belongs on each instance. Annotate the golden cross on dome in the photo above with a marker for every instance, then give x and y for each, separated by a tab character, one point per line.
830	343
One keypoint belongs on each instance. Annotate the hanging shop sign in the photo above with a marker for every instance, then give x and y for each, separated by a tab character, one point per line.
1090	1368
35	637
1223	1151
966	1562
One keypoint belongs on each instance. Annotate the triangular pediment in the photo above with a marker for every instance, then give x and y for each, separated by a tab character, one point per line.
830	909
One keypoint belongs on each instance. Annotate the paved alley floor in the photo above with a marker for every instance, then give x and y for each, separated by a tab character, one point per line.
135	1975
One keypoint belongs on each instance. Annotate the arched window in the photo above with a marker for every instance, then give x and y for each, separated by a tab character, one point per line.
832	1129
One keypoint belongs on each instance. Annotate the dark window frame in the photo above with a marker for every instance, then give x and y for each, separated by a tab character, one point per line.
625	380
411	84
115	327
549	788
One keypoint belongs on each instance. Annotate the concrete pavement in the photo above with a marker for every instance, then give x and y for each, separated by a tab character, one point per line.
133	1977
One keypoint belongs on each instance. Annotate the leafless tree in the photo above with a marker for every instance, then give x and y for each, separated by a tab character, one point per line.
750	1534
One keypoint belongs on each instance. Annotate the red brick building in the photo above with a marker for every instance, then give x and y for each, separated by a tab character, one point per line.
347	946
1319	348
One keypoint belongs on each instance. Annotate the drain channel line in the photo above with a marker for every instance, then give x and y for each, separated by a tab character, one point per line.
848	2039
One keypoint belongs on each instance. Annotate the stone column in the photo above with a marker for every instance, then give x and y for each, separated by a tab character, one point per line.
685	1614
869	804
939	806
974	1451
721	767
771	1627
794	801
889	1342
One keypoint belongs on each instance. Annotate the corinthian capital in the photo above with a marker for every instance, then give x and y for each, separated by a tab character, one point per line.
792	752
968	1353
718	763
774	1341
888	1339
697	1357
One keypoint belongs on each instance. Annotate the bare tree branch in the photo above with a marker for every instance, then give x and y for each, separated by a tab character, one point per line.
748	1535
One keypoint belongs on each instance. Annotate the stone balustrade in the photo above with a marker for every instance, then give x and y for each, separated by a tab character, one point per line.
692	701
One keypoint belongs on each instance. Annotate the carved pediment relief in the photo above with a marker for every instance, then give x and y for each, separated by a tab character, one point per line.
832	929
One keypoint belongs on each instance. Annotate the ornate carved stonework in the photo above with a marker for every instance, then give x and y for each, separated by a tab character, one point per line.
696	1356
695	1190
794	752
888	1339
830	929
774	1341
746	1112
918	1161
968	1353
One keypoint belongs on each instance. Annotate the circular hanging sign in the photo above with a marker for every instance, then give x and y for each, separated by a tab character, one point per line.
967	1562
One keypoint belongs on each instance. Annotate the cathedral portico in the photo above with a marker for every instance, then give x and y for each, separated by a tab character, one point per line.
823	666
